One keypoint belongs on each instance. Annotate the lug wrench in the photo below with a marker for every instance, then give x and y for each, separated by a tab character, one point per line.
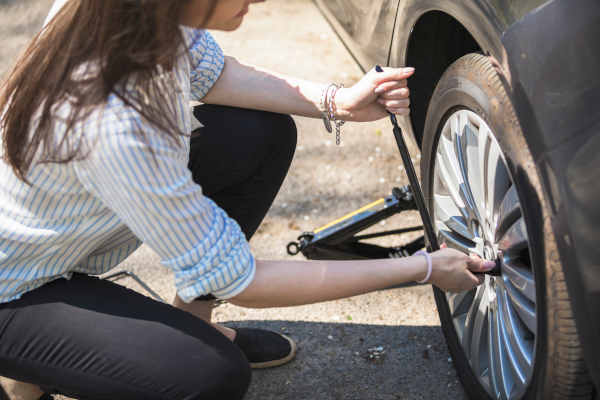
418	193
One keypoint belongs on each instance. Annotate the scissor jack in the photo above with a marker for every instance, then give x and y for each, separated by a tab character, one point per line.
340	239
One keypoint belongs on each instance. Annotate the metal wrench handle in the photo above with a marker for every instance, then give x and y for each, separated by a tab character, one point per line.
414	182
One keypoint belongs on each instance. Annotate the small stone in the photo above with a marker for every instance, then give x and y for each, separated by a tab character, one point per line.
377	149
381	180
371	159
284	205
330	337
306	217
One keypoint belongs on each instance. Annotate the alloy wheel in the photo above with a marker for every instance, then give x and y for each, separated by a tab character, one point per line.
476	209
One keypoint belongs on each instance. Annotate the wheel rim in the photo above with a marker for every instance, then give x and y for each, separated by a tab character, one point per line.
476	209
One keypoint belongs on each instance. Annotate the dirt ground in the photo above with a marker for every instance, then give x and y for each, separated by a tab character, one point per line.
325	181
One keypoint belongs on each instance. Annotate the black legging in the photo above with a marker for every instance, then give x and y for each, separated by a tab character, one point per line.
93	339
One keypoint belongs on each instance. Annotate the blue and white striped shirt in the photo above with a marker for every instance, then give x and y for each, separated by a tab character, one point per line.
88	215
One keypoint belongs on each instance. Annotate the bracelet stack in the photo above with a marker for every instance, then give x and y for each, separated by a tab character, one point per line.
328	110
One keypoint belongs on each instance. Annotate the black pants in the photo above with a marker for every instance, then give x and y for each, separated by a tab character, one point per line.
92	339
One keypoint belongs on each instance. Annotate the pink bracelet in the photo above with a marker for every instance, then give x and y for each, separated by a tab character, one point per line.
429	266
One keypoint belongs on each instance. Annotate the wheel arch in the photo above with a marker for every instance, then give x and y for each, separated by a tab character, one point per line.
431	34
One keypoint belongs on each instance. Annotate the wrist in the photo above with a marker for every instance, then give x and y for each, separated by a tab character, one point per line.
341	108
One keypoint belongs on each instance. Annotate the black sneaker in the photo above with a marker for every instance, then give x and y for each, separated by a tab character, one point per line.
264	349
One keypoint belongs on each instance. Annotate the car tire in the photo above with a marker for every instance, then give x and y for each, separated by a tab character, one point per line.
557	370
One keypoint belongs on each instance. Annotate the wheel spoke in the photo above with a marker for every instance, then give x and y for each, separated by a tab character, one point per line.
473	173
456	241
521	347
497	180
514	240
498	362
525	309
520	277
464	188
460	303
515	357
447	212
474	329
449	173
509	211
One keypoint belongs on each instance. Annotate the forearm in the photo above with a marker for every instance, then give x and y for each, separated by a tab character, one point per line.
247	86
292	283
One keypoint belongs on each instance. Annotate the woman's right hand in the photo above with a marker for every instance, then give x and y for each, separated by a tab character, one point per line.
452	270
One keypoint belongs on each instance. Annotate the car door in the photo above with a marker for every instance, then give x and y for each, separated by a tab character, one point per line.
366	27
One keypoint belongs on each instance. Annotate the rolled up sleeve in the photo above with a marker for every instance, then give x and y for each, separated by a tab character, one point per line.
207	61
147	184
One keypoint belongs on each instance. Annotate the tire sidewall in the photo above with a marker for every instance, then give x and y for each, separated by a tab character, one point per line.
461	87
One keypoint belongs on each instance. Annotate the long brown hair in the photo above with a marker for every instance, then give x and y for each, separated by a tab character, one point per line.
124	40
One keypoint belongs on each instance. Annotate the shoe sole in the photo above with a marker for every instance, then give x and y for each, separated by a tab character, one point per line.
281	361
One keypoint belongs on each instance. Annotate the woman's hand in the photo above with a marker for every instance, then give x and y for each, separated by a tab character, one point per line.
453	271
374	95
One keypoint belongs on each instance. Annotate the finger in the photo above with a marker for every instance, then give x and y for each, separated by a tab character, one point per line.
476	264
474	280
395	94
390	85
400	111
404	103
392	74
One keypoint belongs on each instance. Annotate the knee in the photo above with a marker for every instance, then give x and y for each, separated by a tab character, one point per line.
284	135
228	379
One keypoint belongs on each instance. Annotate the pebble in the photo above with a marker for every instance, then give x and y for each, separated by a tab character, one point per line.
375	354
381	180
371	159
330	337
306	217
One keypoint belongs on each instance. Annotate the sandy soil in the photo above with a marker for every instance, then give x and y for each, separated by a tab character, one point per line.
325	182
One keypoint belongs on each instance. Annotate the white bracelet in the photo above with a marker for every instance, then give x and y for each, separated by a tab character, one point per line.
429	266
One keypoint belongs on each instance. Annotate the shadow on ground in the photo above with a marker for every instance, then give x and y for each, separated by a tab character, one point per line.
344	357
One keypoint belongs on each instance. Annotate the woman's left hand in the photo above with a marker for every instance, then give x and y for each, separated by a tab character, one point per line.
374	95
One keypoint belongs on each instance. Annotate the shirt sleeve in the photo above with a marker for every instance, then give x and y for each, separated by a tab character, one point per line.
148	185
207	61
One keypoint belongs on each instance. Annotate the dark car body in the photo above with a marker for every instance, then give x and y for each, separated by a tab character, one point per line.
548	56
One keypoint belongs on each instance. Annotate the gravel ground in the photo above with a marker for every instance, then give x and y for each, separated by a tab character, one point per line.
379	346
